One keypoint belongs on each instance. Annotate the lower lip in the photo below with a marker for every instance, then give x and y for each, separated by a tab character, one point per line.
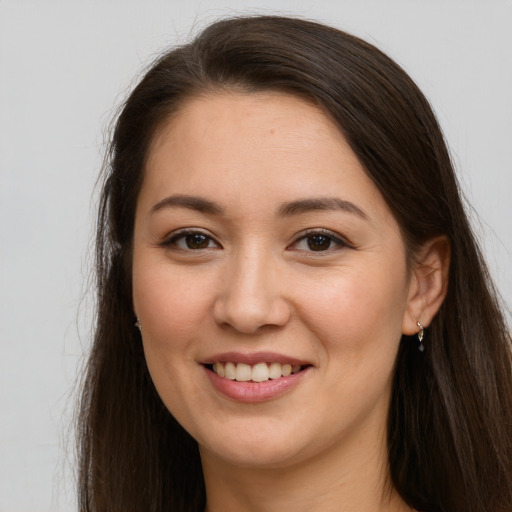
252	392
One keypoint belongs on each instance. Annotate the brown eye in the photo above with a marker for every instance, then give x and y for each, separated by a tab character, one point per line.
319	242
197	241
191	241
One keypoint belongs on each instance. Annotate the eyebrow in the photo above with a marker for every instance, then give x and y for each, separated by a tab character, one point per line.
320	203
190	202
287	209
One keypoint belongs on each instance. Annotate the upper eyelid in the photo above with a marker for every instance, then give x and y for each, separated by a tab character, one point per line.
186	231
322	231
339	242
174	235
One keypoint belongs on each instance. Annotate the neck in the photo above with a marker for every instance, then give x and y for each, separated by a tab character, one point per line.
342	479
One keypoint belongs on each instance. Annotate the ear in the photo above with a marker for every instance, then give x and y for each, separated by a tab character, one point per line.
428	284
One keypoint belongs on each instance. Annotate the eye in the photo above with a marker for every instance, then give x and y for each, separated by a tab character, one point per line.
191	240
318	241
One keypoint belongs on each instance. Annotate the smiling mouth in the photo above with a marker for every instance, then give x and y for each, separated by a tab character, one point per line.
259	372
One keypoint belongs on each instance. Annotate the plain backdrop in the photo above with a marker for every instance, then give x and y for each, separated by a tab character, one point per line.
65	66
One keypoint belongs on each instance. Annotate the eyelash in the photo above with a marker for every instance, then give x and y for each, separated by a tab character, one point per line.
327	235
183	234
331	237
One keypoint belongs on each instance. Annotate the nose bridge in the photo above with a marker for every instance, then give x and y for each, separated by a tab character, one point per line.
252	293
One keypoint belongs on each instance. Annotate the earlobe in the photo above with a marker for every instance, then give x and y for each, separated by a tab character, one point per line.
428	284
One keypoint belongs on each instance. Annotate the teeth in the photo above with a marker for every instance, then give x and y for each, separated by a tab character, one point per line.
275	371
229	371
260	372
243	372
219	369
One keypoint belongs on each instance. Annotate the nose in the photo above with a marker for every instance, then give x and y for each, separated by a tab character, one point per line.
252	295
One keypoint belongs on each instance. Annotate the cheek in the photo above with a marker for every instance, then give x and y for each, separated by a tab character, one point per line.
173	309
355	309
172	305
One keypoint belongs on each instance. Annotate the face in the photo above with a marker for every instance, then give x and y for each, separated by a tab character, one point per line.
270	279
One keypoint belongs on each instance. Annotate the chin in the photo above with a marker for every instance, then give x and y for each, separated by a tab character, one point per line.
247	455
258	445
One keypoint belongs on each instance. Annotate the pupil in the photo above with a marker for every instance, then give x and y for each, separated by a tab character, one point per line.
319	242
197	241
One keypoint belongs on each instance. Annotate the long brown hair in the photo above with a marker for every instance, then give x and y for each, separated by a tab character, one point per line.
450	420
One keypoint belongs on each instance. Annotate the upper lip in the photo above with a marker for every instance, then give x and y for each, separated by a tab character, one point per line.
252	358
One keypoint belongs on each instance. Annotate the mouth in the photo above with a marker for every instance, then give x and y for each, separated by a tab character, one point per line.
255	377
259	372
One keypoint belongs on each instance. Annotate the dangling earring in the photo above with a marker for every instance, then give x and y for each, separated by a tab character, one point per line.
138	325
421	332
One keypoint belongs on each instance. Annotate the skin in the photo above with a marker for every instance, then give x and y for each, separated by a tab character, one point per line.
257	286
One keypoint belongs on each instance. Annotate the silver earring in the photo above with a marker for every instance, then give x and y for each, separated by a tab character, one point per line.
421	332
138	325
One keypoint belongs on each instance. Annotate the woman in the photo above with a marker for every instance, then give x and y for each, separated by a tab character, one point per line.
293	312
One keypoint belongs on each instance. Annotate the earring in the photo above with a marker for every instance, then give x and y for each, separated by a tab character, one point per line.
138	325
421	332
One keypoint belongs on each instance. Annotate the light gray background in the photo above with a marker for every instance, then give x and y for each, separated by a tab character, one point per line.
63	68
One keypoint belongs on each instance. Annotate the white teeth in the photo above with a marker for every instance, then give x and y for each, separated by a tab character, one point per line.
218	368
229	371
243	372
260	372
274	371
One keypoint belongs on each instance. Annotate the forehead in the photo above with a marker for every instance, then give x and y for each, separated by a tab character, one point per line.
224	116
253	147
